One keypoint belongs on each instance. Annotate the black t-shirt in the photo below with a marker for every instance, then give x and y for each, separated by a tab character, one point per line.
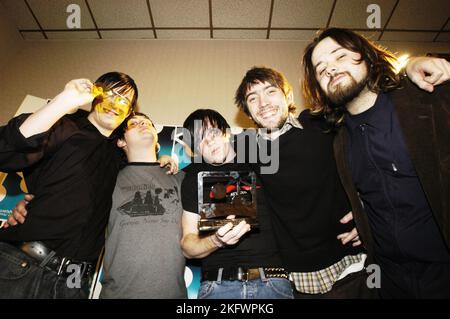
307	199
257	248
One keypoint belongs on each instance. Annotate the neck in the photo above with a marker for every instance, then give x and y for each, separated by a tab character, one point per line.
364	101
144	156
102	130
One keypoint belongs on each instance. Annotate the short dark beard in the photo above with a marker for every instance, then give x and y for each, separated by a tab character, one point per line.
341	97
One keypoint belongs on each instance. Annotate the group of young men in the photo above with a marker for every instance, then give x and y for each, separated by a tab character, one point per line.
362	178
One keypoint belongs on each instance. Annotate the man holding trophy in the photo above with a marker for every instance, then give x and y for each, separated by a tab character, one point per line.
238	261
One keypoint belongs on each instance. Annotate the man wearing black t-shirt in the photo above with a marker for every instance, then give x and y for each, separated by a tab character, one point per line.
238	263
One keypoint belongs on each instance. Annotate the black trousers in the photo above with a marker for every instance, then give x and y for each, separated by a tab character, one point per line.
353	286
414	280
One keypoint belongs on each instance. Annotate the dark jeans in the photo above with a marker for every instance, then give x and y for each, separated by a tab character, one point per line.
414	280
353	286
21	277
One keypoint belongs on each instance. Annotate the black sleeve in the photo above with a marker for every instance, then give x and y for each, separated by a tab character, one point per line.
12	139
18	153
189	196
316	121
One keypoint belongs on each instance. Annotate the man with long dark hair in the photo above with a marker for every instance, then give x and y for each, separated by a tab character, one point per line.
392	152
309	207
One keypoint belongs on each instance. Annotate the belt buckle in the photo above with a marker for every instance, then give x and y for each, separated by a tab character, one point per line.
242	275
246	274
35	250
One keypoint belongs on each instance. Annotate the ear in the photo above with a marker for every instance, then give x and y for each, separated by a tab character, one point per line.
158	147
121	143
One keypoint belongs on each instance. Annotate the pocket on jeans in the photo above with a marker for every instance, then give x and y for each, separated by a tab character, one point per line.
281	287
13	268
206	289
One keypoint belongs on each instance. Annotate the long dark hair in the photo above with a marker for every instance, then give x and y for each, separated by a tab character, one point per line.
380	63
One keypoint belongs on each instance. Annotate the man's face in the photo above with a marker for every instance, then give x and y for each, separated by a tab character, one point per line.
112	107
215	146
140	134
268	105
340	75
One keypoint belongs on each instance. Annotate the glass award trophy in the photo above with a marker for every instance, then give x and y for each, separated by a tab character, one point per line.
226	193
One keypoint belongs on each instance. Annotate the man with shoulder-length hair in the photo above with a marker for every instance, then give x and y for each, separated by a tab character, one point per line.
392	152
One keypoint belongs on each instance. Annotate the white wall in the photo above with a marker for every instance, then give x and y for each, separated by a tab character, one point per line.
174	76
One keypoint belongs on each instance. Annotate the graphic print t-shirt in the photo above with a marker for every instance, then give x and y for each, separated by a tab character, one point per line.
143	258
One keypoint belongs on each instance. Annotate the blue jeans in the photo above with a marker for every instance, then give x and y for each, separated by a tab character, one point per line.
21	277
264	288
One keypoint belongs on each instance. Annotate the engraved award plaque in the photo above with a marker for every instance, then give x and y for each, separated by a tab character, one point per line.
226	193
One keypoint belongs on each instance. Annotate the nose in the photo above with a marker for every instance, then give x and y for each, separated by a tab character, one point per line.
331	70
263	100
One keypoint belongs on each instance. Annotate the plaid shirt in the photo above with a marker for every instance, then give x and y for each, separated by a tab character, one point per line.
322	281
